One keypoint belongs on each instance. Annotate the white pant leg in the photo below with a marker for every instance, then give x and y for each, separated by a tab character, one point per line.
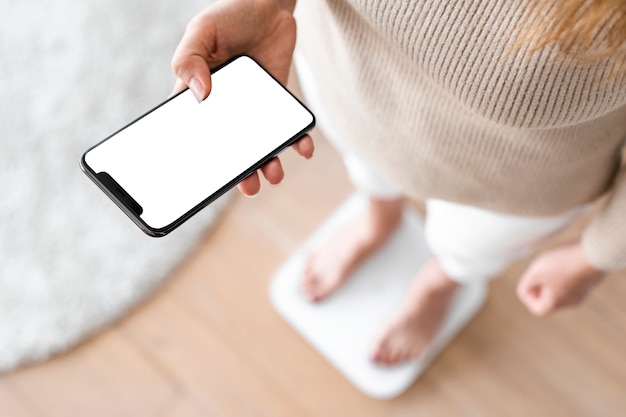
476	244
365	178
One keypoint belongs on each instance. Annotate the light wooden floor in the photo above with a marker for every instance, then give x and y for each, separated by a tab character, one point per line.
209	344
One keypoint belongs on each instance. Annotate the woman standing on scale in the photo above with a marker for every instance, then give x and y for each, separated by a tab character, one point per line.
507	118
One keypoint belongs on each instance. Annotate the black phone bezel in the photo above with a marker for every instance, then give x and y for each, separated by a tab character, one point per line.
163	231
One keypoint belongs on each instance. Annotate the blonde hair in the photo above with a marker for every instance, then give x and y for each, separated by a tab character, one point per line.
585	29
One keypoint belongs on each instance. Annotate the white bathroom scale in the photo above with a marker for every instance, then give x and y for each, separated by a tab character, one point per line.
344	327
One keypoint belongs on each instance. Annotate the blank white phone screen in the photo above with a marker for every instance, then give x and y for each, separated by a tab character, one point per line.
183	152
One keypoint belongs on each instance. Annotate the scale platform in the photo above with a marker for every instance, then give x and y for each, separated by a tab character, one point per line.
344	327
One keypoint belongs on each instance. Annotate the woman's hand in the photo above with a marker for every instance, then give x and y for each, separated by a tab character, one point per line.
559	278
263	29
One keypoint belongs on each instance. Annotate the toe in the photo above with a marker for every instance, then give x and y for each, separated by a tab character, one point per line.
380	352
393	357
308	285
417	351
404	356
313	288
319	292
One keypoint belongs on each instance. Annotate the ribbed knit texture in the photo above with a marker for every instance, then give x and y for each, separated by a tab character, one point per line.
435	96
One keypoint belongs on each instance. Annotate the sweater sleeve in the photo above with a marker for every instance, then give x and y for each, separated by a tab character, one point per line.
604	239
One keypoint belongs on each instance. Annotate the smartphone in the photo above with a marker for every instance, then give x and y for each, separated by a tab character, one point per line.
168	164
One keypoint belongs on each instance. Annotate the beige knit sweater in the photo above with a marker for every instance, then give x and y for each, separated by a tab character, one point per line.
433	94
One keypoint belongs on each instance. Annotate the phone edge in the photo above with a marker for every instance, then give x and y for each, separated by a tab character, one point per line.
164	231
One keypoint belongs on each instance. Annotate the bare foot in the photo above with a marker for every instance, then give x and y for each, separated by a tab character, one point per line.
330	265
416	322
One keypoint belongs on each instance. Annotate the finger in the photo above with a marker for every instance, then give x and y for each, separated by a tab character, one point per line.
304	146
527	288
529	296
179	86
189	62
543	303
250	185
273	171
533	295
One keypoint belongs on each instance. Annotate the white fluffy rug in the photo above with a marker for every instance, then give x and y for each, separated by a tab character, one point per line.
72	72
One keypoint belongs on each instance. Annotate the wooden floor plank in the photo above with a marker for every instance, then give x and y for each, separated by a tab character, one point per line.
563	355
210	368
104	377
609	303
11	405
192	405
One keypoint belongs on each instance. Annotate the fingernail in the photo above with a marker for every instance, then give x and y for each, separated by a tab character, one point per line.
196	88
